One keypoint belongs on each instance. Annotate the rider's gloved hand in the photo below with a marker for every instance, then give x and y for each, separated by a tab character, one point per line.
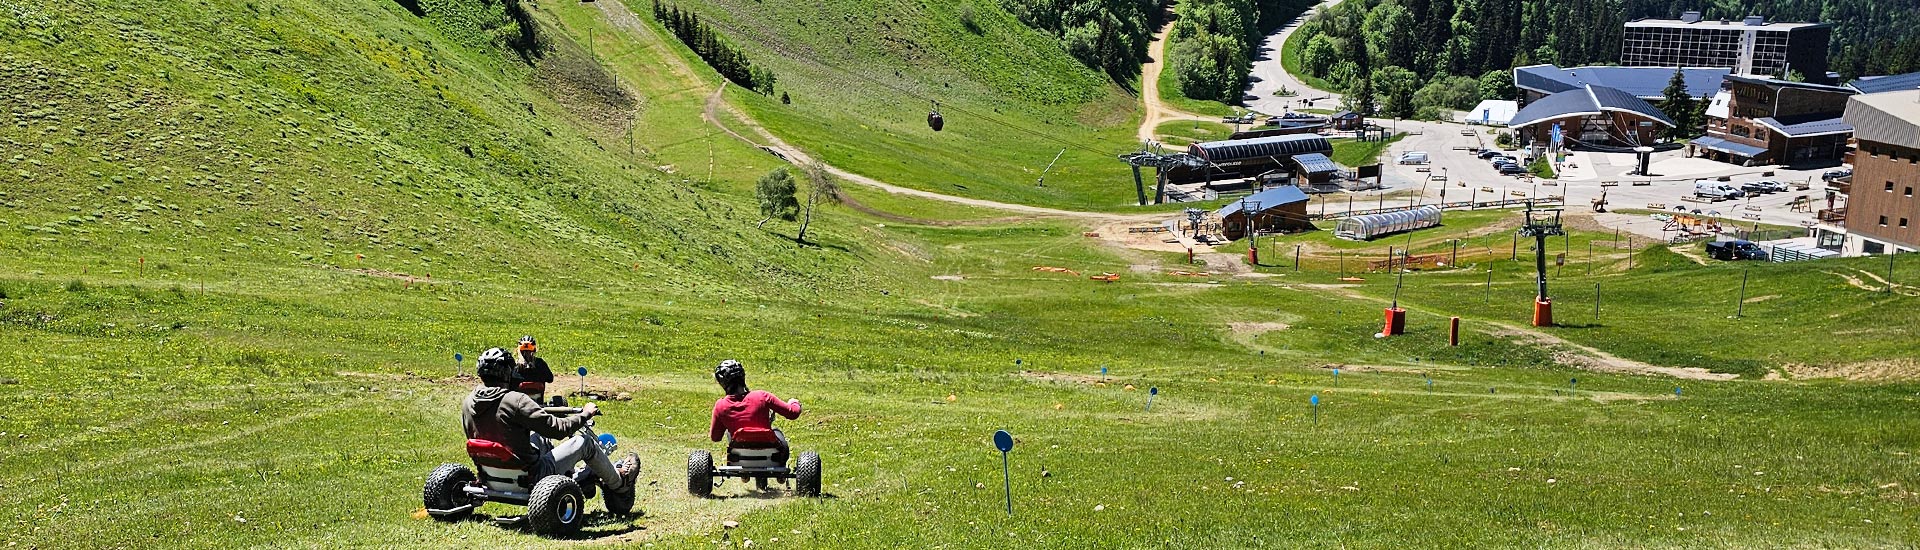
795	403
590	410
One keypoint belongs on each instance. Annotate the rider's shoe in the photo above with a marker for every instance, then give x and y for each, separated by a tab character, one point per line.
629	469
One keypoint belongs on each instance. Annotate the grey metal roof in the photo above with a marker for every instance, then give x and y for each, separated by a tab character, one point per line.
1274	146
1316	163
1718	144
1807	126
1644	82
1889	117
1588	100
1718	24
1777	83
1265	200
1891	83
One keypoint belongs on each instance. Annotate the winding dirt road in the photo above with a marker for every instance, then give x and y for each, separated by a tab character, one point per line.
1155	111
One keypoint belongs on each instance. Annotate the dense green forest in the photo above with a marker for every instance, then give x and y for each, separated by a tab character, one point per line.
1414	58
1212	42
1109	35
723	57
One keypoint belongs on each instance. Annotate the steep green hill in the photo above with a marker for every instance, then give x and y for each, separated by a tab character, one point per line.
359	137
863	75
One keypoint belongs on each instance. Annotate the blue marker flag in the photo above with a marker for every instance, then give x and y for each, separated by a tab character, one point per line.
457	358
1316	400
582	371
1004	441
1153	390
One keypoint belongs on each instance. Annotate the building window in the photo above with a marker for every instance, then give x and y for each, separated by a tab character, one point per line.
1883	221
1903	222
1909	191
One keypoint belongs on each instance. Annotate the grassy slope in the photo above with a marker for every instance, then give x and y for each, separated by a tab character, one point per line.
857	69
232	378
1350	152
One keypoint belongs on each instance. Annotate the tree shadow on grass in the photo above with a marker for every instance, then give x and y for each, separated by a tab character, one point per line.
814	244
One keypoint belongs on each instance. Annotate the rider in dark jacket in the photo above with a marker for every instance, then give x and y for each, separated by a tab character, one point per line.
494	413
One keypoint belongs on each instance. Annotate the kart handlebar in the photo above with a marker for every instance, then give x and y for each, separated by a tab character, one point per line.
562	410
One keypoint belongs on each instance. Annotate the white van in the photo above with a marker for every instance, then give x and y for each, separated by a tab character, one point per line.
1414	157
1716	190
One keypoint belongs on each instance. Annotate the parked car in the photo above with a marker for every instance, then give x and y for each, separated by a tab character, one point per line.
1709	189
1488	154
1414	157
1836	174
1774	186
1736	250
1512	169
1756	188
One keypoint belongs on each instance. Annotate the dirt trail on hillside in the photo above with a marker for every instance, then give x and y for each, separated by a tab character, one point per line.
1156	111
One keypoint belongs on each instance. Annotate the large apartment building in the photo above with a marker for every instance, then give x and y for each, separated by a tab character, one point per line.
1882	212
1753	46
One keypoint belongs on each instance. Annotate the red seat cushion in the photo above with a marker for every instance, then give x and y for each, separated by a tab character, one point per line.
532	387
493	453
752	438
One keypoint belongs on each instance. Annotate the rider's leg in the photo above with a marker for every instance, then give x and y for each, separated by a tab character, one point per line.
780	436
579	449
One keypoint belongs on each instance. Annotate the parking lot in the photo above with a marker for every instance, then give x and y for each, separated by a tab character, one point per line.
1587	175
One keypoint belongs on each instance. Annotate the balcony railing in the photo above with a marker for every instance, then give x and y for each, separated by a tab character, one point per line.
1836	216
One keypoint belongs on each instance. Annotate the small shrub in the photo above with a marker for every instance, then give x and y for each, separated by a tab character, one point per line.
785	100
76	286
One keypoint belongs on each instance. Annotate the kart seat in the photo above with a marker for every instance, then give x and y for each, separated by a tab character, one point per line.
756	448
531	388
499	467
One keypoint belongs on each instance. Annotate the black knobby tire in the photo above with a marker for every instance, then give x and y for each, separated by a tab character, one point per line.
444	491
621	501
806	474
557	507
700	473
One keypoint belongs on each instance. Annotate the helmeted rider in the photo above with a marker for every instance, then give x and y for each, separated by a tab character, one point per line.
495	413
746	408
530	373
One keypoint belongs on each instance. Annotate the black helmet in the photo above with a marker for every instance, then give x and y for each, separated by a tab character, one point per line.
494	366
731	376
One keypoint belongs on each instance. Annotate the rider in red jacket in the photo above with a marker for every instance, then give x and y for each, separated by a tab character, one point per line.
742	408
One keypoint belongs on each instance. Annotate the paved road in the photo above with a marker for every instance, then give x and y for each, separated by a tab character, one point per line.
1272	75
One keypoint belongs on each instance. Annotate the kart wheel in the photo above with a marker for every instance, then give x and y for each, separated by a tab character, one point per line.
806	475
621	501
700	473
443	491
556	507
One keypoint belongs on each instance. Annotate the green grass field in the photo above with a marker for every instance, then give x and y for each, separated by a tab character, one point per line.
244	241
1181	133
1350	152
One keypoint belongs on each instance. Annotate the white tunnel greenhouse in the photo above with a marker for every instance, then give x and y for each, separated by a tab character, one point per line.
1365	228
